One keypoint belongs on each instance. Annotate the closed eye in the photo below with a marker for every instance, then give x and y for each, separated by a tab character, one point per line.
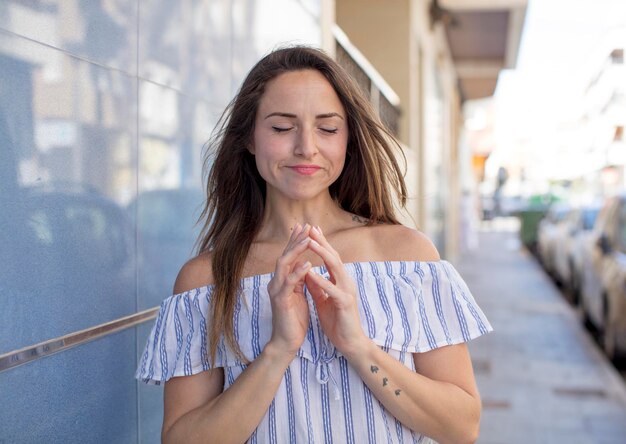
280	129
329	130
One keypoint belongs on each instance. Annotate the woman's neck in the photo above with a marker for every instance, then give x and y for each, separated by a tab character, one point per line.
281	215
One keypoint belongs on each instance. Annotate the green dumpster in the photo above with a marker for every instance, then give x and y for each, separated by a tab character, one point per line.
531	215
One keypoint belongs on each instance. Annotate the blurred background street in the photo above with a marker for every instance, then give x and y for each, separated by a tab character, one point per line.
542	376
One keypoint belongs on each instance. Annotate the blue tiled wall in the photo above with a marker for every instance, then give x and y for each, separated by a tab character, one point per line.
104	110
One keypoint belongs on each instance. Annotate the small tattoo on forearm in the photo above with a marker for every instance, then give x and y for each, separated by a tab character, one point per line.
375	369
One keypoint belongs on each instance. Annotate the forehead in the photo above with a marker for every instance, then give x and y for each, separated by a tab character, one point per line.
296	88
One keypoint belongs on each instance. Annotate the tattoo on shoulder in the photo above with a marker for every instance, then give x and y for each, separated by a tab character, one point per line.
364	221
359	219
397	392
385	381
374	369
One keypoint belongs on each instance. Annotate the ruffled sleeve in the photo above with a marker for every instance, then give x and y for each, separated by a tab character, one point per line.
417	306
177	344
448	312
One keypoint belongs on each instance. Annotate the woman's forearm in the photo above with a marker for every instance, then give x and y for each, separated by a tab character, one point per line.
232	416
440	410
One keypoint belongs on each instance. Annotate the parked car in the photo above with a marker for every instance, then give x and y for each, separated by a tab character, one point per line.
551	230
69	263
603	286
570	246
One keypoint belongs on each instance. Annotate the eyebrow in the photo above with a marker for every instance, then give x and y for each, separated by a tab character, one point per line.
293	116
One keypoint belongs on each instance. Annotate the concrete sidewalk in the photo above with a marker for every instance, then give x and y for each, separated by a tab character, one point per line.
540	374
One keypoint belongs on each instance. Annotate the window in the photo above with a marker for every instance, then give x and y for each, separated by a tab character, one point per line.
617	56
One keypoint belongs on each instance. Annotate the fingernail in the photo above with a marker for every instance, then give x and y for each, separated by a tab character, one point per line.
307	264
319	229
305	240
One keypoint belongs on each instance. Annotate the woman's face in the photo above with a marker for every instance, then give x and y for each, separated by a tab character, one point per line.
300	135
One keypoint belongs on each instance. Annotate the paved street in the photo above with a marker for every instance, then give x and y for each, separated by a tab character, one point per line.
541	376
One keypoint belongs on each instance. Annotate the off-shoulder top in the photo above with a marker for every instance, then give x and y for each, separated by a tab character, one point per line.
405	307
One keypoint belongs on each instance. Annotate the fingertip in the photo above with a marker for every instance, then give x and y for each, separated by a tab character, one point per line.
307	229
318	237
312	273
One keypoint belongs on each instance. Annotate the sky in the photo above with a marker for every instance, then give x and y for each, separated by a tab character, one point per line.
557	45
558	51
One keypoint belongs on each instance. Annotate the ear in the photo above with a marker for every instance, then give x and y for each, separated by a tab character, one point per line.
250	148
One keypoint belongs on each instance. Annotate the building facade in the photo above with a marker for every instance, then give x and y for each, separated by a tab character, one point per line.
602	158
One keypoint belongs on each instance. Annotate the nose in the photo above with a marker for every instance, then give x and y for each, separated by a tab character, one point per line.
306	145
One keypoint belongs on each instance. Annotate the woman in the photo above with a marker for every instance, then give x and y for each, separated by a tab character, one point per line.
310	314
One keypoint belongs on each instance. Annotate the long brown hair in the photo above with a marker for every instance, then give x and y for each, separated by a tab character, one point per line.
236	192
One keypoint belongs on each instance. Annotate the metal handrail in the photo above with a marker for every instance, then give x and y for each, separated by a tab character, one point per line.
366	66
33	352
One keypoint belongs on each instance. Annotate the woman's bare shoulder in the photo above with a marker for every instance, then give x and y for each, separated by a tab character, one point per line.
195	273
398	242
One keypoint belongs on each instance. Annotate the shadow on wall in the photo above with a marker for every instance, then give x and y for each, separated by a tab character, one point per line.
69	253
72	258
71	263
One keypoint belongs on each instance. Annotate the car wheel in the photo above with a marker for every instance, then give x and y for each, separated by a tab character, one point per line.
575	291
608	338
608	341
573	287
569	290
581	311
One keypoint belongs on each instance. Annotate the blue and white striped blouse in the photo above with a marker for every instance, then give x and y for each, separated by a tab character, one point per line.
405	307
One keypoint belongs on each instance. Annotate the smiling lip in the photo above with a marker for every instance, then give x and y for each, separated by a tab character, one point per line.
305	170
